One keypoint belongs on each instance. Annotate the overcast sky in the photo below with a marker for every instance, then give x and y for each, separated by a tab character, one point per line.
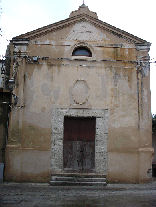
137	17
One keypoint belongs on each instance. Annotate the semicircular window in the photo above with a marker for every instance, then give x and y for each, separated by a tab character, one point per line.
82	51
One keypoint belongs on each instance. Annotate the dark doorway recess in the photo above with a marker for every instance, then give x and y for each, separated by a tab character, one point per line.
79	144
5	100
154	169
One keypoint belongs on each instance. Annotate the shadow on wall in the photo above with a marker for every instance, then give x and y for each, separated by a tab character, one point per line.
154	170
154	157
154	144
5	100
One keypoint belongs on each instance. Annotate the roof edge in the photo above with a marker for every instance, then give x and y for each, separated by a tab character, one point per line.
81	17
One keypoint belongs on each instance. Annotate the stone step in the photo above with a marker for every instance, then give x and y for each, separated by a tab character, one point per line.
69	183
78	179
80	175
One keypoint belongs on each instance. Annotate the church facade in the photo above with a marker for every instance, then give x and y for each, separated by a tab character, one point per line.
81	102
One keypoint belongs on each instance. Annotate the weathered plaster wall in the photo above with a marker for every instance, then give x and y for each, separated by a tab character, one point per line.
27	164
108	80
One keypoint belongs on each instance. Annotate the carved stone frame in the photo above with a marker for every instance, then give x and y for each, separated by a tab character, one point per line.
82	44
101	137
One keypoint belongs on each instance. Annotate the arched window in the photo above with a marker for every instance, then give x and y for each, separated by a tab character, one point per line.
82	51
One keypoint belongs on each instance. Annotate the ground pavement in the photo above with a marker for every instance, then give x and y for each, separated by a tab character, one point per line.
44	195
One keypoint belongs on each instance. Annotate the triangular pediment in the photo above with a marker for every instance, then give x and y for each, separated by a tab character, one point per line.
82	17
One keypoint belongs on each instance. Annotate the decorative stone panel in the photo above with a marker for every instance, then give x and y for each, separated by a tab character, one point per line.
80	92
101	136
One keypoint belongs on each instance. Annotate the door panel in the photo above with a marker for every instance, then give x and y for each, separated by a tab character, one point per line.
79	144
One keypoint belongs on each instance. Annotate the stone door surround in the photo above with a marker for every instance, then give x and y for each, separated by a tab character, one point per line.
101	137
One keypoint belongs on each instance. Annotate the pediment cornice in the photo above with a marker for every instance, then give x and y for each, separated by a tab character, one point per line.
86	18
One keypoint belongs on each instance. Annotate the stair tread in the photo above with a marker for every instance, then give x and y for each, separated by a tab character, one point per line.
77	183
79	179
73	182
79	175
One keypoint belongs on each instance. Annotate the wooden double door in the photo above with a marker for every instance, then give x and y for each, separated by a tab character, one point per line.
79	144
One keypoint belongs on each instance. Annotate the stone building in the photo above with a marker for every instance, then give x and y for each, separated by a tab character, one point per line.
82	102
